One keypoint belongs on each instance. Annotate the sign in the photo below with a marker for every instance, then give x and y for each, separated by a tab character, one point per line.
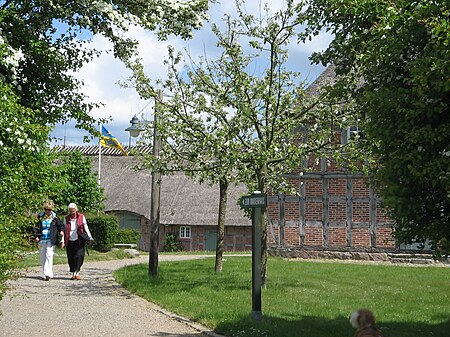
254	201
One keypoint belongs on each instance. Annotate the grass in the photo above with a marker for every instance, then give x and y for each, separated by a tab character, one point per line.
302	298
31	259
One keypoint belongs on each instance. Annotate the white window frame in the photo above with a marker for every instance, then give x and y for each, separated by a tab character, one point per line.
349	133
185	232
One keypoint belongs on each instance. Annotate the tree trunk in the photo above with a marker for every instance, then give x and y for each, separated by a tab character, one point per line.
155	196
223	185
264	247
262	188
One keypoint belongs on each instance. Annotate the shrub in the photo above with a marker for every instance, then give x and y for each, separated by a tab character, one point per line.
128	236
103	228
172	243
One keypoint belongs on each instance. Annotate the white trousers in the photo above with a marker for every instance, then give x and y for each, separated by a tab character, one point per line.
46	252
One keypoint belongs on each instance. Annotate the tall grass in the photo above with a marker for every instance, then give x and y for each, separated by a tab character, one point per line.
302	298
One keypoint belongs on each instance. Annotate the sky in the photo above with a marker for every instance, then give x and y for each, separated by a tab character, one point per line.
101	76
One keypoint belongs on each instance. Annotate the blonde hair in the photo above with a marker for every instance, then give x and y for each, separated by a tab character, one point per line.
49	204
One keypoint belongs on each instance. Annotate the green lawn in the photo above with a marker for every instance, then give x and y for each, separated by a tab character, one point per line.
302	298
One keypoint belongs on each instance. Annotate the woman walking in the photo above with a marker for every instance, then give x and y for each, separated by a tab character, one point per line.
47	233
77	233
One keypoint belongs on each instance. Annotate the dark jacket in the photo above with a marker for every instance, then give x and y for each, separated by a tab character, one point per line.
55	227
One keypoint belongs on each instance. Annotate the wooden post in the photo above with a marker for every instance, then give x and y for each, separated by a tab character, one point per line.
349	211
372	217
302	211
281	218
325	203
325	211
257	202
256	263
156	194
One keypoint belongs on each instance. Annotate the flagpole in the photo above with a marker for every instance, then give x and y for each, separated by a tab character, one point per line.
100	155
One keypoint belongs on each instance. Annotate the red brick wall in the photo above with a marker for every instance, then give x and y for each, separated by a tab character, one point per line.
385	239
313	211
313	187
337	212
236	238
337	237
361	212
314	236
360	237
360	188
273	210
382	216
291	211
292	236
337	187
337	215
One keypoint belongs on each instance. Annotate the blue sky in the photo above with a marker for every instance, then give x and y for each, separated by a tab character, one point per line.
101	76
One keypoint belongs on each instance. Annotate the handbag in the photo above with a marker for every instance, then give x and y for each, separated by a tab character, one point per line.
83	238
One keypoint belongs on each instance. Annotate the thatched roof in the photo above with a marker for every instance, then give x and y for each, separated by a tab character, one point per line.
327	77
92	150
183	201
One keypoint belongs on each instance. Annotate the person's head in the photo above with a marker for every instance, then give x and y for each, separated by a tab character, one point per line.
72	208
49	206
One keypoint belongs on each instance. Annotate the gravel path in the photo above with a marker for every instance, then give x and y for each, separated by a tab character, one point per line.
93	306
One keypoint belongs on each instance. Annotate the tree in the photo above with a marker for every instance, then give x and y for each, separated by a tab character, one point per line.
45	47
193	144
25	175
78	184
401	51
230	115
41	47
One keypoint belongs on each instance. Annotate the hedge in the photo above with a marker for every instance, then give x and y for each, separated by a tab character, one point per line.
103	228
128	236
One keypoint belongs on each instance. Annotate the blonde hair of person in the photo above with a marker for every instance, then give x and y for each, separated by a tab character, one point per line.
49	204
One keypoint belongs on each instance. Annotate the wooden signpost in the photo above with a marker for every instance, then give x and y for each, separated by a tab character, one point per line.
256	202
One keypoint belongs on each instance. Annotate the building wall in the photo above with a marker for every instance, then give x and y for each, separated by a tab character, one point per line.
330	213
332	209
237	238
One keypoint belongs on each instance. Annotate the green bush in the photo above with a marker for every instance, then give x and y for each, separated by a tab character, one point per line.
172	243
8	246
128	236
103	228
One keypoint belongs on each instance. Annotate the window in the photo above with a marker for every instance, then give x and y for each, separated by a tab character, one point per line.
185	232
349	134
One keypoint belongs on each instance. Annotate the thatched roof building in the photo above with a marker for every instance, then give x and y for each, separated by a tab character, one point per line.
327	77
183	201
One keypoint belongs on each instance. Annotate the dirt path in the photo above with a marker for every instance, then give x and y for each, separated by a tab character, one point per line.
93	306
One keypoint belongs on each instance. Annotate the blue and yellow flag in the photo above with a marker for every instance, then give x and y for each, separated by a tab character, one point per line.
108	140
